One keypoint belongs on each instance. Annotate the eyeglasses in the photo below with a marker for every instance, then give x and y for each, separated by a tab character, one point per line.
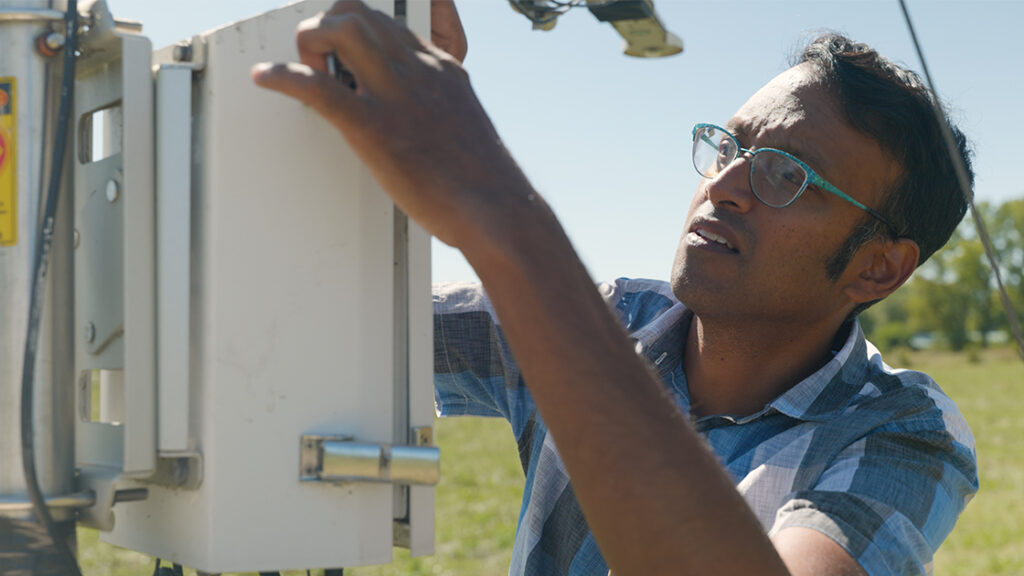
777	178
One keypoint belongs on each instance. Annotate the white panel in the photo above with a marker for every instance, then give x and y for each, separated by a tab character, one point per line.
174	206
291	327
421	341
139	256
421	381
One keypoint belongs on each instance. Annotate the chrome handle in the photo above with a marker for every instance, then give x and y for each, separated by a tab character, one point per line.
339	459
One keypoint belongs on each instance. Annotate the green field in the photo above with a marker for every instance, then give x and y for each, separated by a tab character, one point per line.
478	498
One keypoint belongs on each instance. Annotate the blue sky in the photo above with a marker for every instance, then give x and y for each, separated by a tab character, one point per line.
605	137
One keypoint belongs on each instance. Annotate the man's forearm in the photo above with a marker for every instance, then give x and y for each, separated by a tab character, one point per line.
655	497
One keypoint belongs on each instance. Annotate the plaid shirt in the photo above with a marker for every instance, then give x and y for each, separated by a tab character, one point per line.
880	460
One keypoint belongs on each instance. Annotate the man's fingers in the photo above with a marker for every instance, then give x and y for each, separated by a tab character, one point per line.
351	38
391	34
446	29
312	87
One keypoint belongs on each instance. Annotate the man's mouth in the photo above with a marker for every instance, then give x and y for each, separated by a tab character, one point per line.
712	237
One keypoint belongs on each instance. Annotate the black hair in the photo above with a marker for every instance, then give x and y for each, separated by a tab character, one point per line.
895	108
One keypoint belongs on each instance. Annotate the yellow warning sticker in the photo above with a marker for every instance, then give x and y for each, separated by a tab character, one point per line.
8	162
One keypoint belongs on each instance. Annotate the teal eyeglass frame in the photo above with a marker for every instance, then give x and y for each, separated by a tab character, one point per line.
813	179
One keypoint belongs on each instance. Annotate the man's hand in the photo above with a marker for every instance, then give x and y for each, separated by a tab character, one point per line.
413	119
446	30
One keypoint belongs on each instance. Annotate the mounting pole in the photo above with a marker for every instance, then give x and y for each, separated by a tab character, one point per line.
29	82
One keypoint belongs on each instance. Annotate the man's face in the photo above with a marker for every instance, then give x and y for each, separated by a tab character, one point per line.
741	259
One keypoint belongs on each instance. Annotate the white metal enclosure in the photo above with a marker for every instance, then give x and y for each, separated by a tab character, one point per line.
291	299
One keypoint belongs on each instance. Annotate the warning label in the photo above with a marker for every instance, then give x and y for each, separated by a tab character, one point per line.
8	162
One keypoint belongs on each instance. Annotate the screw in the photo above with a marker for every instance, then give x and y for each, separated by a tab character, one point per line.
182	52
54	41
49	43
90	332
78	238
113	191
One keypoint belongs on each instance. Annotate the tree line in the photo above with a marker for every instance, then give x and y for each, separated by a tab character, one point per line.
952	300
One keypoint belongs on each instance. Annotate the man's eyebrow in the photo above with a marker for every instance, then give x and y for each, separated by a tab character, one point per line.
786	144
735	128
807	155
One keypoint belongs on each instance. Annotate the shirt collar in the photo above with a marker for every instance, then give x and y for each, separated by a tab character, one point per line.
819	397
824	394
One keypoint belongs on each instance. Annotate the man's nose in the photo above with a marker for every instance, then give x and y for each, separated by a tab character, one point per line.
730	188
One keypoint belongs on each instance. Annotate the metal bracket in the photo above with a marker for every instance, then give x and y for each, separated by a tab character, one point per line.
340	459
190	53
100	484
114	217
104	487
183	471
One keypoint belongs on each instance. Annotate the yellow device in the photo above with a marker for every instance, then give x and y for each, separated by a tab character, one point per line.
635	20
8	163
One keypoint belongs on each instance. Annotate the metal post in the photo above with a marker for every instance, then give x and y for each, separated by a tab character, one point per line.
23	170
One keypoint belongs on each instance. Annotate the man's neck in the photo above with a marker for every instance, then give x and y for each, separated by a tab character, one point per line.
738	370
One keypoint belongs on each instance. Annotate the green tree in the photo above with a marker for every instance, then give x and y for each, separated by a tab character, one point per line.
954	293
1007	230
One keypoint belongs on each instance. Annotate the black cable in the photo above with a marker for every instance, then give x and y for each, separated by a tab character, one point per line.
44	241
965	186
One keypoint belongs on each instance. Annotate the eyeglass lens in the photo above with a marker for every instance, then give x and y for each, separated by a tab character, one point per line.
774	178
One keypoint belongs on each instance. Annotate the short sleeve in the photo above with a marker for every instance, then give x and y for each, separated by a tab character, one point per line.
474	370
892	497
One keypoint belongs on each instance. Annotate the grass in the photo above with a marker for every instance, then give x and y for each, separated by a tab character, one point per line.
989	538
478	498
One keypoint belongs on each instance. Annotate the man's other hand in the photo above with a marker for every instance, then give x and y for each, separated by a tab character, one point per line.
446	31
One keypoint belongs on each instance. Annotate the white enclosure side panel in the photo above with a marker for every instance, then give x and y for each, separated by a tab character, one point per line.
174	207
291	326
421	342
139	256
421	381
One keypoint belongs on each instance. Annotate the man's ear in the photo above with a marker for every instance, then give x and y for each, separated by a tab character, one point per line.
879	268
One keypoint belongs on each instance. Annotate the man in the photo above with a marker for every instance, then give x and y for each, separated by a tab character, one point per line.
824	460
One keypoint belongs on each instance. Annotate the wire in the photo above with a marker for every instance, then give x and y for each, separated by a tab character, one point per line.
44	242
965	187
543	13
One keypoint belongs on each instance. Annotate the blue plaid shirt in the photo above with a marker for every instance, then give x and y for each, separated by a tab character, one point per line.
880	460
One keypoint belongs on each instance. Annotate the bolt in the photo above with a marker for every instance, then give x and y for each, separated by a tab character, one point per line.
49	43
78	238
113	191
90	332
182	52
54	41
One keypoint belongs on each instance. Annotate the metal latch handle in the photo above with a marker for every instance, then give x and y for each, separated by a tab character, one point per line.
341	459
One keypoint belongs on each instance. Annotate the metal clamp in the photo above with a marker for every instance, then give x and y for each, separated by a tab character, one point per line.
340	459
29	15
46	15
18	504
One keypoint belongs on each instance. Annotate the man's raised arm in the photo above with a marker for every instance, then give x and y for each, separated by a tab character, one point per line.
655	497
